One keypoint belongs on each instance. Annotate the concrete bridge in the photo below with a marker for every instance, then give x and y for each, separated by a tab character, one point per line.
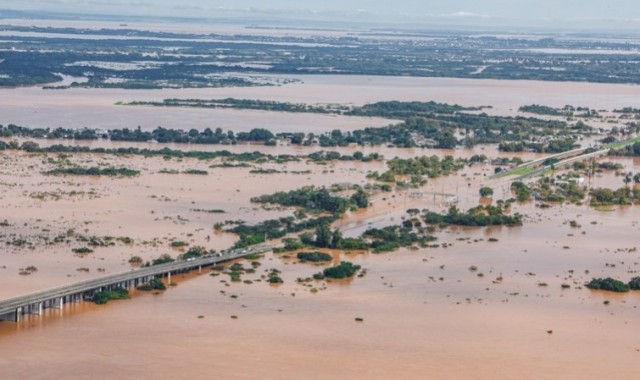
540	161
562	164
12	309
564	159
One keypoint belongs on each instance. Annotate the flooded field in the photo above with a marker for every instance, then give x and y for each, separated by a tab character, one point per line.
425	312
96	108
422	311
484	303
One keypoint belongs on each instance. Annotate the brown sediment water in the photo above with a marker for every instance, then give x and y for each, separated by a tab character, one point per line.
425	313
473	309
96	108
419	319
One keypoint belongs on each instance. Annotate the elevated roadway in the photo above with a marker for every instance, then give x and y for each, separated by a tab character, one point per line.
34	303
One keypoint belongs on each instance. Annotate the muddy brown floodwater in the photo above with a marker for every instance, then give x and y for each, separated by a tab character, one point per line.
425	313
477	308
96	108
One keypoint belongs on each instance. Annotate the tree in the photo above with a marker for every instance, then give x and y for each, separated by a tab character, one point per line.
636	178
360	199
486	192
323	236
446	140
30	146
306	238
336	239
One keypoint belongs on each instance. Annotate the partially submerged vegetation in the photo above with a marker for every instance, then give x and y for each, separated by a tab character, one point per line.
153	284
343	270
317	199
419	167
314	257
613	285
423	124
620	197
105	296
95	171
478	216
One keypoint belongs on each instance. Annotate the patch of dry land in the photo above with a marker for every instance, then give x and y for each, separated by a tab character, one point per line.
468	302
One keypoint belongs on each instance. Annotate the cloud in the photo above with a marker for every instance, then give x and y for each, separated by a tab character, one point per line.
464	14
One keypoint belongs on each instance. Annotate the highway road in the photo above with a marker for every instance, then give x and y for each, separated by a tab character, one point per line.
10	306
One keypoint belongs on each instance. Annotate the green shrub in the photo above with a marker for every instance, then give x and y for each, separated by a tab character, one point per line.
343	270
82	250
105	296
275	280
634	284
608	284
314	256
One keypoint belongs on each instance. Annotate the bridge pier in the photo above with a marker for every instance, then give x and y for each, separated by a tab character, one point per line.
35	308
58	303
13	316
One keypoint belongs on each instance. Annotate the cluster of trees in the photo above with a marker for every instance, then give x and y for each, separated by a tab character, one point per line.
522	191
566	189
249	104
193	136
162	259
439	131
542	110
552	146
345	269
111	172
194	252
486	192
13	130
275	228
406	110
324	237
159	134
154	284
477	216
546	110
379	240
614	285
117	293
317	199
391	238
606	166
608	197
331	155
258	157
423	124
314	257
627	150
415	131
430	166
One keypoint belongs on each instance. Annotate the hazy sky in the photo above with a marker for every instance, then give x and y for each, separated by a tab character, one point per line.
562	13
